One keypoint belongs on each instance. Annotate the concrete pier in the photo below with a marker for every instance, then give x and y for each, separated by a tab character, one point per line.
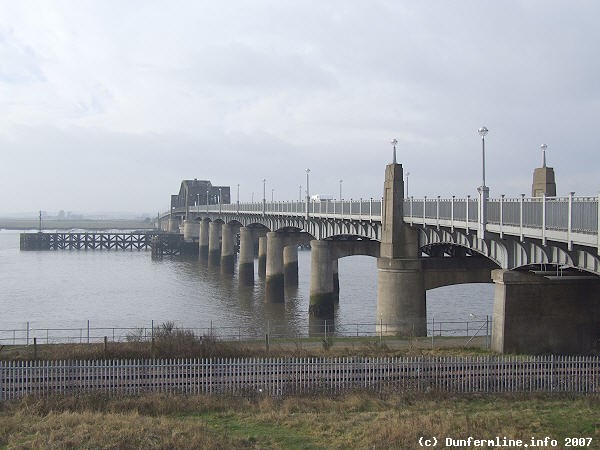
336	281
290	265
246	261
227	250
401	297
173	225
262	256
274	280
203	241
214	243
321	279
534	314
191	230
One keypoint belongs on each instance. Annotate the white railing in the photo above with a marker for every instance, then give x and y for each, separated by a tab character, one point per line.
279	377
539	217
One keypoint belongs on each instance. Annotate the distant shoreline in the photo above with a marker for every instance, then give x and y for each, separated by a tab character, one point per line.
85	224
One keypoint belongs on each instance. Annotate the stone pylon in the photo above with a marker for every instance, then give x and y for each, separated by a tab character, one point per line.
400	281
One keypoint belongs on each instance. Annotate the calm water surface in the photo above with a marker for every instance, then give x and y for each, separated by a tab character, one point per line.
128	289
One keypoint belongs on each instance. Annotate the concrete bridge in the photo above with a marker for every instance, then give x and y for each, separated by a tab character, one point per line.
541	253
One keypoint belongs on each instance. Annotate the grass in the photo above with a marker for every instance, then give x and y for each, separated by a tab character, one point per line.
355	420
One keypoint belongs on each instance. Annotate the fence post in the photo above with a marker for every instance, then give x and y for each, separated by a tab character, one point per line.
28	333
34	348
88	331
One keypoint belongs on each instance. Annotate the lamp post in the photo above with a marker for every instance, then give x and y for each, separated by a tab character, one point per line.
238	193
341	181
264	196
394	142
407	175
484	191
272	195
307	191
543	147
300	193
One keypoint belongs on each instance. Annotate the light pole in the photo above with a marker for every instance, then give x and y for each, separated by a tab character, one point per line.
264	196
543	147
300	193
238	193
484	191
482	132
272	194
341	181
307	192
394	142
407	175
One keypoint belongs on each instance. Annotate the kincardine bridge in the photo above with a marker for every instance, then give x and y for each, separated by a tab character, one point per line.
541	253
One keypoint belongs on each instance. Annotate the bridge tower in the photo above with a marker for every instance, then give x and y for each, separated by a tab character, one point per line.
400	278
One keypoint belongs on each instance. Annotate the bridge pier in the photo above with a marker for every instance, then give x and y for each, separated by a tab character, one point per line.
322	292
203	240
227	250
290	265
191	230
400	280
246	261
173	225
262	256
336	281
214	243
274	280
401	297
534	314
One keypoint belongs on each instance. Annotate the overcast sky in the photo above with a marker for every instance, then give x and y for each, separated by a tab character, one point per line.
107	105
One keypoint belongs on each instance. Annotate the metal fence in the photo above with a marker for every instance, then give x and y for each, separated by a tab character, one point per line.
289	376
88	333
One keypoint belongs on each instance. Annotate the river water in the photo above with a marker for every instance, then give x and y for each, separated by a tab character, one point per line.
64	289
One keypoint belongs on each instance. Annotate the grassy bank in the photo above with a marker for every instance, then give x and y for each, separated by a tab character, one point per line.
357	420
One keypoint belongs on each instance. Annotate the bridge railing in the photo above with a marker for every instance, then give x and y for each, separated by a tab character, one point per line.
571	214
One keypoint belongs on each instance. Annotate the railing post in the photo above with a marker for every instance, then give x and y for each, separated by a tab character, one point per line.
437	212
501	215
452	215
570	222
521	217
543	218
360	209
467	209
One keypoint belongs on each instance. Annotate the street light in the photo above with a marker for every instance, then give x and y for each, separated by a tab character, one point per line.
482	132
407	175
264	190
543	147
484	191
300	193
238	193
307	187
272	193
394	142
341	181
